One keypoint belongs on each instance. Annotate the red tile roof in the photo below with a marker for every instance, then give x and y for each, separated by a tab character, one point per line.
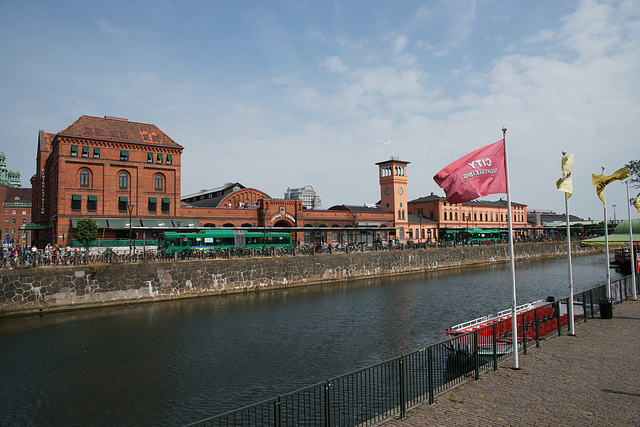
117	129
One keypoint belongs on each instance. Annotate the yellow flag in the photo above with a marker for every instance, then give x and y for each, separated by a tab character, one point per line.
637	203
565	184
600	180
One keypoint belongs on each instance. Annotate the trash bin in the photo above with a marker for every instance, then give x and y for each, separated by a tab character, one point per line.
606	308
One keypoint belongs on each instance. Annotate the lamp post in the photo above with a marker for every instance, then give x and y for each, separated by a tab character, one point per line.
130	209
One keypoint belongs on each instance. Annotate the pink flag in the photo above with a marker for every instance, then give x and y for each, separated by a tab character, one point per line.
477	174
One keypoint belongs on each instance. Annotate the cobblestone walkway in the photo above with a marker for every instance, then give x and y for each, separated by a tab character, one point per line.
592	378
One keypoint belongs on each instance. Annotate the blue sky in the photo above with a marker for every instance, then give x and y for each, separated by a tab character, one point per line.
288	93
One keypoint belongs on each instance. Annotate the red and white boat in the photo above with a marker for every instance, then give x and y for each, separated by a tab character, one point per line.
460	336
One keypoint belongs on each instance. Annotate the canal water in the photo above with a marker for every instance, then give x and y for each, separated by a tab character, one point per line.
177	362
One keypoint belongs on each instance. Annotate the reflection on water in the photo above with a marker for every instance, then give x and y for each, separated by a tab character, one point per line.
180	361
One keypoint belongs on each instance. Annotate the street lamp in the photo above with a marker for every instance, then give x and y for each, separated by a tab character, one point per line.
130	209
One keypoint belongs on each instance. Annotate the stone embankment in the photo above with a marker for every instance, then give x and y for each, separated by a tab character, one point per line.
54	288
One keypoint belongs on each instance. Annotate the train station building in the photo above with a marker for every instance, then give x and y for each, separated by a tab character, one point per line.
126	176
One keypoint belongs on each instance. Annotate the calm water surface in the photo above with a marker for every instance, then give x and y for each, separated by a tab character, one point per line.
177	362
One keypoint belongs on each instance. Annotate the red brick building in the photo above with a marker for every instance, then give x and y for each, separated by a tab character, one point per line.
112	169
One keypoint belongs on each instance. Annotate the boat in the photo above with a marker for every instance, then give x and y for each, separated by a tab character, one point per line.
461	337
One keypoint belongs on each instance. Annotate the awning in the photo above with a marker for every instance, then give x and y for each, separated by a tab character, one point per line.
102	222
186	223
93	198
76	197
152	200
167	201
118	223
122	198
157	223
34	226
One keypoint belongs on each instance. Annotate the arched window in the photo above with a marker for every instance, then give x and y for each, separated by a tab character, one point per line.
123	180
159	183
84	178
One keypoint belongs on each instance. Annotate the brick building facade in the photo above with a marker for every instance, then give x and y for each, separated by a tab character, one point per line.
112	169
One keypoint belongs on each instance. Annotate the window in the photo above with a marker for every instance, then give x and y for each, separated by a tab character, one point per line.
149	157
74	151
13	212
98	131
87	131
152	204
159	182
123	134
154	137
114	133
159	158
124	155
122	204
24	221
123	180
92	203
6	221
76	202
85	151
165	205
6	212
96	153
145	137
84	178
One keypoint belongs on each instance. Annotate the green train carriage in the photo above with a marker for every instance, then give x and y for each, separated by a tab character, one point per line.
175	241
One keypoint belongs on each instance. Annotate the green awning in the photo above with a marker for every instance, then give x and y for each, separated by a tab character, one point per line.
96	150
150	156
118	223
169	158
85	150
76	197
102	222
74	148
152	200
124	153
157	223
167	201
159	156
34	226
93	198
186	223
122	198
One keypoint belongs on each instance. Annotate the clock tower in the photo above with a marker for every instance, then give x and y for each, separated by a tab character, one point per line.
393	193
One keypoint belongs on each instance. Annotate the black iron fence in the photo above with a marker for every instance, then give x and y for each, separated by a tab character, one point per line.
390	388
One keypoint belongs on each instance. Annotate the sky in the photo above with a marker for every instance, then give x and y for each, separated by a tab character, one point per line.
287	93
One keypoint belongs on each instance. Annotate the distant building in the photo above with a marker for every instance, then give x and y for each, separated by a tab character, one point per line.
16	204
306	194
8	178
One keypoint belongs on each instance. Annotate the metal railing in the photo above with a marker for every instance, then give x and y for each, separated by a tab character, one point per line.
390	388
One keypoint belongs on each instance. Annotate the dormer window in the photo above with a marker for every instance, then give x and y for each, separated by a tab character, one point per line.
123	134
145	137
98	131
114	133
154	137
88	131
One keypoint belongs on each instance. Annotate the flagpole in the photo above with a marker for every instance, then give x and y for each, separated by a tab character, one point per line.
632	254
570	305
607	293
514	319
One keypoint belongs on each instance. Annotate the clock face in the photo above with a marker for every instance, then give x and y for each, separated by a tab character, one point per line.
386	191
400	190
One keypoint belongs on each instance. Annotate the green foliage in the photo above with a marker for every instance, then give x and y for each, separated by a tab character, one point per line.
634	168
86	230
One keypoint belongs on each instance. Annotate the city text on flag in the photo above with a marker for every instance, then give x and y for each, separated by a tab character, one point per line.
477	174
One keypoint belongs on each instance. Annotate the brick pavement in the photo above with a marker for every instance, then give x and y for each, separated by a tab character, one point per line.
592	378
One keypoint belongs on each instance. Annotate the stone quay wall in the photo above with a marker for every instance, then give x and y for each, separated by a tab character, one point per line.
30	290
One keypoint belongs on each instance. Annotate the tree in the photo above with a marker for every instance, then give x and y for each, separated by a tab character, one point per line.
86	230
634	168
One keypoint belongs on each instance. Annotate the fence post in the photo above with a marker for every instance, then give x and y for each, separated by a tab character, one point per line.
537	325
476	355
524	335
277	412
430	373
591	303
557	313
403	392
494	330
327	404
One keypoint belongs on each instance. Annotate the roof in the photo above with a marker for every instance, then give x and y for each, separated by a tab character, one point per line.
498	203
126	131
217	191
421	219
18	196
619	237
355	208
